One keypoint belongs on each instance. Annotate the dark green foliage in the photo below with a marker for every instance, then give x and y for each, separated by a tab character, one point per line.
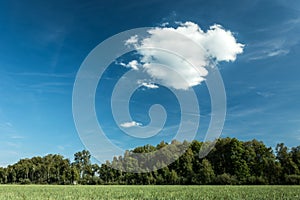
293	179
226	179
231	162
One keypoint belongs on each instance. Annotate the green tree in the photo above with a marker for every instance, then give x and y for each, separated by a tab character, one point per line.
83	163
3	175
206	174
238	163
289	167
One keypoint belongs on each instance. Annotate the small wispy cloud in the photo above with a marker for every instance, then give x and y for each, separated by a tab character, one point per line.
8	124
251	87
55	86
280	39
147	84
13	144
7	127
9	132
130	124
265	94
132	64
53	75
17	137
268	53
61	148
278	52
150	85
46	84
242	112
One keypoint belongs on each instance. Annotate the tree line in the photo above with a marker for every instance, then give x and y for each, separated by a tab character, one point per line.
230	162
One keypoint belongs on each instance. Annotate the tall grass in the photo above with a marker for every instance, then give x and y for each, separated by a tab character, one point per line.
40	192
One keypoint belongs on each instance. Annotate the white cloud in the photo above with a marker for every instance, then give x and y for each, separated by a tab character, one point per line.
278	52
147	84
267	53
174	47
132	40
165	24
132	64
130	124
221	44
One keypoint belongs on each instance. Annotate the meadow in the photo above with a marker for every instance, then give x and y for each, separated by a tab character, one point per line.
55	192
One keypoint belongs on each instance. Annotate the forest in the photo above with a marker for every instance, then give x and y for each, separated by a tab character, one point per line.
231	162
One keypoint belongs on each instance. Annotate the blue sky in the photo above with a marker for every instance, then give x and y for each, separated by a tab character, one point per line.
43	44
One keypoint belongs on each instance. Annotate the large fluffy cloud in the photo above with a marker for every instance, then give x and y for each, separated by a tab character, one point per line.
175	48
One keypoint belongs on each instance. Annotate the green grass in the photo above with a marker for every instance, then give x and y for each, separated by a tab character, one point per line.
40	192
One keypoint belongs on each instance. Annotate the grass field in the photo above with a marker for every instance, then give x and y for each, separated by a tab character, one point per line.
15	192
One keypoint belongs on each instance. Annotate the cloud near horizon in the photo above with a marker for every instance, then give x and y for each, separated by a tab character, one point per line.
172	47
